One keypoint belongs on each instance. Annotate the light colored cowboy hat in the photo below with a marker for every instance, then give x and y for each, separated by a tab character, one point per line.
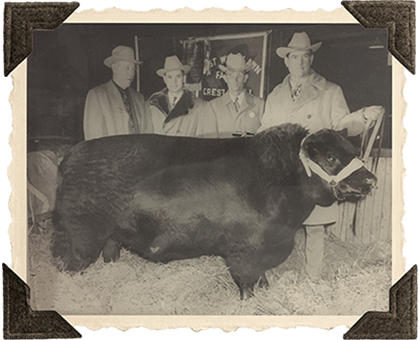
172	63
123	53
235	63
299	42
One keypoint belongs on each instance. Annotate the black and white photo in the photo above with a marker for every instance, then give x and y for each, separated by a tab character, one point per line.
210	169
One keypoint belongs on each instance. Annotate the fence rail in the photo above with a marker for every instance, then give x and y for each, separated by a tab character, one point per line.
371	218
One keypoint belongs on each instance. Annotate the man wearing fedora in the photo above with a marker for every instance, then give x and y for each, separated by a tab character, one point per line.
237	112
114	108
304	97
175	110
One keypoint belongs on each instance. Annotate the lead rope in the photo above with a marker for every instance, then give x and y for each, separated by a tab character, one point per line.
365	151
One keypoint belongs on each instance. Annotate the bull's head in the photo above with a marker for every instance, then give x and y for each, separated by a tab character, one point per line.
332	157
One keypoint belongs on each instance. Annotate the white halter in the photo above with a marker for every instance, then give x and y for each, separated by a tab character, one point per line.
310	166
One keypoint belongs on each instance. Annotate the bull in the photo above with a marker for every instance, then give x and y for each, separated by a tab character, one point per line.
170	198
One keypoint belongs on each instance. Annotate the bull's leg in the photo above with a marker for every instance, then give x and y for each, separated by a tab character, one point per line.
111	250
263	282
246	293
77	243
76	254
245	275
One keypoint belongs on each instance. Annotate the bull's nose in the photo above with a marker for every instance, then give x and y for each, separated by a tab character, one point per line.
371	181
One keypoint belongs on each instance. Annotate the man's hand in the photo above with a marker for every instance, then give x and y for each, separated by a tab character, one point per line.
372	113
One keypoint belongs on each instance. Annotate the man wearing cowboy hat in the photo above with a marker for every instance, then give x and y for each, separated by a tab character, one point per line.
175	110
114	108
304	97
237	112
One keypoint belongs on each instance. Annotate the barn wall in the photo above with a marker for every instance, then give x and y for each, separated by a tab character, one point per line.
372	220
67	62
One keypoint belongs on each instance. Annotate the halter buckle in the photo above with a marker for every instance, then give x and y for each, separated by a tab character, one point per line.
333	183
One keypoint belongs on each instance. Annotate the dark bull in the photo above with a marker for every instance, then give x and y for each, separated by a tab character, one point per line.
170	198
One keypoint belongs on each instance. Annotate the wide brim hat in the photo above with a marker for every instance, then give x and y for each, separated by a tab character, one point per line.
300	42
172	63
121	53
235	63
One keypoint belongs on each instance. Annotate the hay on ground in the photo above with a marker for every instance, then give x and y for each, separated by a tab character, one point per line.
355	279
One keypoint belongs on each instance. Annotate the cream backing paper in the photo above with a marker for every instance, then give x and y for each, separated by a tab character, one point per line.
17	174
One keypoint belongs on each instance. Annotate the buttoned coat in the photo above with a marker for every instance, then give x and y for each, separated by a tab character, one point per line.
321	104
228	120
105	113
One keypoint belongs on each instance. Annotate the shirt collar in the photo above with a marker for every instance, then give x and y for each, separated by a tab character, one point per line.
171	97
241	98
120	88
314	79
294	84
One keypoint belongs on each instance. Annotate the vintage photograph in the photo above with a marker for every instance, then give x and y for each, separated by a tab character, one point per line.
209	169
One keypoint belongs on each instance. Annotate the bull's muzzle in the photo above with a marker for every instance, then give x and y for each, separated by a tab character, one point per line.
353	180
355	186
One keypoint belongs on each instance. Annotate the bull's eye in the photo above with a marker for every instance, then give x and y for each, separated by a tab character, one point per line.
331	159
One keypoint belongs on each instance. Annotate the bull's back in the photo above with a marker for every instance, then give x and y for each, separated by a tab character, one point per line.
104	172
150	151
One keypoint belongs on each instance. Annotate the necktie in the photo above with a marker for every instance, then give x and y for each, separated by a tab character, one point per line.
133	124
173	102
296	91
236	104
126	102
127	106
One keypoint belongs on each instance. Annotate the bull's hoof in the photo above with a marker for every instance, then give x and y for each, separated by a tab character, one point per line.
76	265
263	282
246	293
111	250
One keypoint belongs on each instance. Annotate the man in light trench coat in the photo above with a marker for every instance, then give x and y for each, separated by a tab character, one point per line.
114	108
304	97
237	112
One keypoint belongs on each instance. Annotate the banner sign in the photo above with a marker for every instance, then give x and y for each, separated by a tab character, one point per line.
204	55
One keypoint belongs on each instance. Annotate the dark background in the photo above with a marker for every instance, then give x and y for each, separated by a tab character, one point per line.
67	62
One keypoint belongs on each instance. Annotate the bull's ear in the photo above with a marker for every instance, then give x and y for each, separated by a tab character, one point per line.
311	149
343	133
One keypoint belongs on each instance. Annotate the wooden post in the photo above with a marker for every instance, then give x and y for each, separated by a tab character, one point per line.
136	45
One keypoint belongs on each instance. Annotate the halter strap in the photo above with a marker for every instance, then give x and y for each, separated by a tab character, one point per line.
310	166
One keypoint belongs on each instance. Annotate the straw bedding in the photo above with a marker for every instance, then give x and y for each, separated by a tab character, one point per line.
355	279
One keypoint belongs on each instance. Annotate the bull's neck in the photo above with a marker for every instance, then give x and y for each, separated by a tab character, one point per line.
270	188
304	192
315	189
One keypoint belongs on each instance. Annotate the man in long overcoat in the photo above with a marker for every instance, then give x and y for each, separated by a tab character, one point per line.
304	97
114	108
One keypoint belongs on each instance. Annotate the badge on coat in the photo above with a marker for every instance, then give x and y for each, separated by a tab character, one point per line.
252	114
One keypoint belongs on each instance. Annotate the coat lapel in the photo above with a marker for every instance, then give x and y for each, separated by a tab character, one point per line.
248	104
114	95
183	106
310	91
161	101
116	110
